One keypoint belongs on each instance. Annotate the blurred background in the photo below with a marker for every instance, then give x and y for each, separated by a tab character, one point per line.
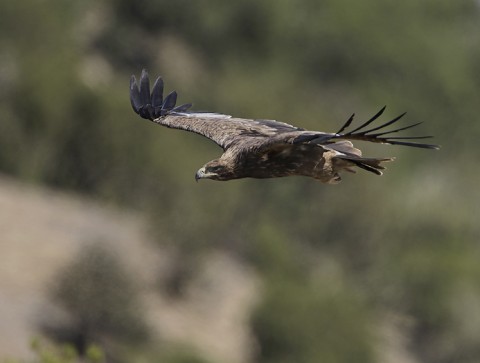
109	250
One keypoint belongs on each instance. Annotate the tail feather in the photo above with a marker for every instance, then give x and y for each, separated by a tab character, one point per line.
372	165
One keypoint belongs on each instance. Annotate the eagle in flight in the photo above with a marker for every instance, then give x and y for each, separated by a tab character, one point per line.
267	148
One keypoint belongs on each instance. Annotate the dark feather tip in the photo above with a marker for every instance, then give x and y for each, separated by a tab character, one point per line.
347	124
145	88
157	92
365	124
361	133
182	108
153	105
135	95
170	101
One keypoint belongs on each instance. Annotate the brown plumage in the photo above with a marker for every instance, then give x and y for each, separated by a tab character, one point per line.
267	148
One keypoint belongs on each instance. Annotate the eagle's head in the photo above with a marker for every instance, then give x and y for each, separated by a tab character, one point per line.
215	170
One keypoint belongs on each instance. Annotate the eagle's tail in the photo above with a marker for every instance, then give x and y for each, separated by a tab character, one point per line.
372	165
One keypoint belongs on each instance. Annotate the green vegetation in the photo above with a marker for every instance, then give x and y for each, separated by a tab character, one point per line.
332	258
66	353
100	299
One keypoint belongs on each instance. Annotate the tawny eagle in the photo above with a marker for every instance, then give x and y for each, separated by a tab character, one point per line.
267	148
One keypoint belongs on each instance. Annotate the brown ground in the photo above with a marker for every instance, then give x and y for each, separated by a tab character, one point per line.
42	230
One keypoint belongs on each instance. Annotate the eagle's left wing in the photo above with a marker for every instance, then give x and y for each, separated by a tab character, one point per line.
224	130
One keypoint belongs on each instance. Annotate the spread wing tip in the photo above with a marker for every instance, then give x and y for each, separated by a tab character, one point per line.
361	133
152	105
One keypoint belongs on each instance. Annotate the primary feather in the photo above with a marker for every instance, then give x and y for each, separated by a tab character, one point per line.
259	148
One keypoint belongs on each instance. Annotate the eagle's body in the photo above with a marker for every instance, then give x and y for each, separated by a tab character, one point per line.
266	148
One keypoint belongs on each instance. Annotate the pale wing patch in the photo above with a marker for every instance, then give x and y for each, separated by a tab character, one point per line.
344	146
203	115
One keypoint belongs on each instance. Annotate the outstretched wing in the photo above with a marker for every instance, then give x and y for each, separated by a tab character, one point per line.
361	133
377	134
224	130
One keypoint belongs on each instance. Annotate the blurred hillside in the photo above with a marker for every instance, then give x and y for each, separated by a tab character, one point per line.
63	232
351	263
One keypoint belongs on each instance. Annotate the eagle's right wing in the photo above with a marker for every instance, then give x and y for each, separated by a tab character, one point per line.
224	130
377	134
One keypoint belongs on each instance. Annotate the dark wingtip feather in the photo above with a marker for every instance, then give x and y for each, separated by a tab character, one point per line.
133	82
360	133
414	144
135	95
182	108
373	118
153	105
157	92
170	101
145	88
382	126
346	124
390	131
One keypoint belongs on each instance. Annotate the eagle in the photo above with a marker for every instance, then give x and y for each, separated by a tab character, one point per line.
258	148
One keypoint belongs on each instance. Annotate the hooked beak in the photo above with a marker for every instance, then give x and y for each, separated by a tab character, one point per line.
203	174
200	174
